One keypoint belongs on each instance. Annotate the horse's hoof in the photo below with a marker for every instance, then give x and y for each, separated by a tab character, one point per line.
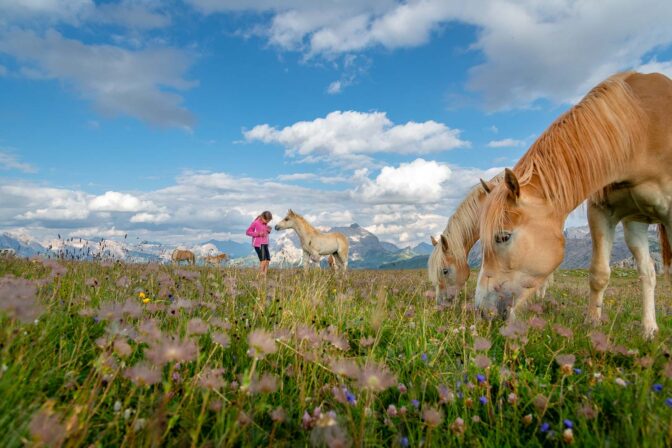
594	318
650	332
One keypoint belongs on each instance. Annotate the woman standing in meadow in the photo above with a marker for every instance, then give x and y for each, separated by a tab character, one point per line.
259	230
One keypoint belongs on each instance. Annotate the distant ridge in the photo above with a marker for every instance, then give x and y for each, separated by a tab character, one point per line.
367	251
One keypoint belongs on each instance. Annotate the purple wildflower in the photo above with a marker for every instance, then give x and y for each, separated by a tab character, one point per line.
668	402
544	427
47	429
480	378
433	417
577	371
657	387
423	357
415	403
568	423
404	441
483	399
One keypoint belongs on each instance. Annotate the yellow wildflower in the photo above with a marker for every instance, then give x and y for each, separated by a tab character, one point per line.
146	300
141	295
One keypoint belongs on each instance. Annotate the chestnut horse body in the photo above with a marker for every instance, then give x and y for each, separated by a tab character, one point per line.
613	148
183	255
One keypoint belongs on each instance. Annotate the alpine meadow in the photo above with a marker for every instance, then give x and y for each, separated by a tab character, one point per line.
113	354
335	223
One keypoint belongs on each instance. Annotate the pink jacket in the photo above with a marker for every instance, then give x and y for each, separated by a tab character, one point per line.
259	231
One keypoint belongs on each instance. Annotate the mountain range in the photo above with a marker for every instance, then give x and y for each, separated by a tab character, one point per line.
367	251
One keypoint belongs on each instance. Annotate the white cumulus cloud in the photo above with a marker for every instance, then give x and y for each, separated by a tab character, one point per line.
113	201
342	135
415	182
506	143
145	217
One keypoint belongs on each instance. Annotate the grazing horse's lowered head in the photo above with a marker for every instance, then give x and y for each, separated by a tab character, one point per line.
524	248
447	272
447	267
215	260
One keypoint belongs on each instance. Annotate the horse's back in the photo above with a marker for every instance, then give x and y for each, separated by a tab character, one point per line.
340	237
654	90
650	86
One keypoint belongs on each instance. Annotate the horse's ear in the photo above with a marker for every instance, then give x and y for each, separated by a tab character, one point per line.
486	187
512	184
290	212
444	242
434	242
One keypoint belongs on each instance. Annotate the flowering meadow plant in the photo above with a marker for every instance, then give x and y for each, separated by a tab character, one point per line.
111	354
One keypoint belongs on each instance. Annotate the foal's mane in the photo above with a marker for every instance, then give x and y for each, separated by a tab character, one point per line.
305	224
577	156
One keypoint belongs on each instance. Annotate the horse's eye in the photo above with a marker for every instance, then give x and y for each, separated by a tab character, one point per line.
446	271
502	237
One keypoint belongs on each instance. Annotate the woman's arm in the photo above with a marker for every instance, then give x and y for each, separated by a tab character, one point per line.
252	230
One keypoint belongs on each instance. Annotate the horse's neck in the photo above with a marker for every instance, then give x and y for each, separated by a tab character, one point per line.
305	231
468	233
470	239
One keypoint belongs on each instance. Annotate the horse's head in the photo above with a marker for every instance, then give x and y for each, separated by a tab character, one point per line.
522	239
287	222
447	271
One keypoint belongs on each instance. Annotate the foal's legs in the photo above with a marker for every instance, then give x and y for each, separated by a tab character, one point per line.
341	260
602	234
306	260
637	238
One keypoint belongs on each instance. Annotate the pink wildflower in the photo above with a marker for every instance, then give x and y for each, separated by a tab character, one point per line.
432	417
261	344
47	429
482	344
143	375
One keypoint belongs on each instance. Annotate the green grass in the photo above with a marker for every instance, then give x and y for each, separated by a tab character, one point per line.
62	372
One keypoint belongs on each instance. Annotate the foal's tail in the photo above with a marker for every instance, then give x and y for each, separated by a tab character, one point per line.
665	250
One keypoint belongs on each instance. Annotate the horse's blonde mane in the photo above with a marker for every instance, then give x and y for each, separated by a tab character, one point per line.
577	156
303	222
461	231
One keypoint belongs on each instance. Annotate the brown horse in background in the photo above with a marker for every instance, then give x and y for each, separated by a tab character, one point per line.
215	260
183	255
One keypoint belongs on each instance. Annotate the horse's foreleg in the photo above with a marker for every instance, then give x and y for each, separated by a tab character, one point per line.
342	255
602	235
637	239
306	260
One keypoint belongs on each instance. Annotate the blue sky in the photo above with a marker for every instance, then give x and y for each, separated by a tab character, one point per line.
182	120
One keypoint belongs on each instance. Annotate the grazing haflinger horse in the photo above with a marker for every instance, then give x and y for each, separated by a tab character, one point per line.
448	267
183	255
616	141
316	244
215	260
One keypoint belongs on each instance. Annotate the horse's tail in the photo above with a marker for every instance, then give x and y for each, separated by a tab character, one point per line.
665	251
